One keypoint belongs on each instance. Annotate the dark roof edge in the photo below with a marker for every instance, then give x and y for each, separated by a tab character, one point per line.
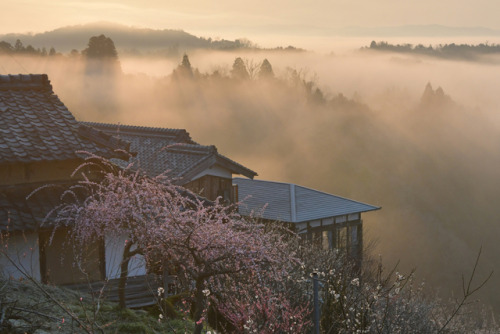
343	214
104	139
117	129
190	148
213	159
235	167
25	82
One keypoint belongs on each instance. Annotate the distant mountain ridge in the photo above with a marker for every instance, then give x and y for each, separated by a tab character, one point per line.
175	41
125	37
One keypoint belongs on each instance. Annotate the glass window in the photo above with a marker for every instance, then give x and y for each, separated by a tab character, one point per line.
342	238
326	241
354	235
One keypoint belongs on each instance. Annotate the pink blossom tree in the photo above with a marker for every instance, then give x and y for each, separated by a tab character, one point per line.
212	249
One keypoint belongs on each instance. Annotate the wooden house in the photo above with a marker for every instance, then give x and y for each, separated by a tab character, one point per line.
199	168
39	144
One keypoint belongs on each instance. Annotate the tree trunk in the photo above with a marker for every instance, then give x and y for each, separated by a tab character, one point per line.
122	281
199	299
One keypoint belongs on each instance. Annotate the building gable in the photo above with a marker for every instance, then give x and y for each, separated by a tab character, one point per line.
171	151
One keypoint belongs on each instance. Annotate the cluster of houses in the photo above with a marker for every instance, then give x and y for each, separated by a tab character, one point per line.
40	141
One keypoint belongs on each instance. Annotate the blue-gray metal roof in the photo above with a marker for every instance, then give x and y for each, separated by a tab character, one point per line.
293	203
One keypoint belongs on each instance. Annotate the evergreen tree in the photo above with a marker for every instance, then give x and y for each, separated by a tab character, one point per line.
239	70
266	70
184	70
19	47
30	50
101	47
101	55
5	47
185	62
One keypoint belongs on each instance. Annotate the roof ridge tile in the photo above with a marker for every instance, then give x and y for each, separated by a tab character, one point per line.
25	82
137	128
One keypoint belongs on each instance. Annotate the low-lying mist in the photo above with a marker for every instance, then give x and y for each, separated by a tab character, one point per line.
362	125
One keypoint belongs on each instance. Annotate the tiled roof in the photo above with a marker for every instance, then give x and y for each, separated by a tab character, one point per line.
160	150
119	130
35	125
17	213
292	203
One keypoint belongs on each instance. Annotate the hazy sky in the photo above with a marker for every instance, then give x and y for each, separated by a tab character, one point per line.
233	18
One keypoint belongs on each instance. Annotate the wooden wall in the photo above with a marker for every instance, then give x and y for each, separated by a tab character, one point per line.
211	187
37	172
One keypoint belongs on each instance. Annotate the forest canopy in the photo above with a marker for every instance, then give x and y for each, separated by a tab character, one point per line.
452	51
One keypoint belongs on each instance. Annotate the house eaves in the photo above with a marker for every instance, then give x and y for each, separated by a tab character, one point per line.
212	159
29	207
168	134
234	167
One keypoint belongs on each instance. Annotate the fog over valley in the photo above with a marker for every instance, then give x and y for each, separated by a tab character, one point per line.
415	134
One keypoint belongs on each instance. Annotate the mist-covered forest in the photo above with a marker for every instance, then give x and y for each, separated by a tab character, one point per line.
417	137
449	51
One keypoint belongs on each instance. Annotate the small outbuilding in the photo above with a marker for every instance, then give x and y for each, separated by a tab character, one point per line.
333	221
